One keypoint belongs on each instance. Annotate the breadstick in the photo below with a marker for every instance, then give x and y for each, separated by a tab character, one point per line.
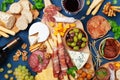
97	8
7	30
4	34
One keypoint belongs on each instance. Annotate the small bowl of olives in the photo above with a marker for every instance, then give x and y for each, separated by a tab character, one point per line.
75	39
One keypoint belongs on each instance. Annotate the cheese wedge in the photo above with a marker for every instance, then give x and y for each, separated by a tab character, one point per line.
79	58
41	29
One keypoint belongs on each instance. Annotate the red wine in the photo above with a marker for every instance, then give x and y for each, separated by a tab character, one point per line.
72	5
6	48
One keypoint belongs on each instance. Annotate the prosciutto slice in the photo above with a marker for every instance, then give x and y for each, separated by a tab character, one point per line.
61	54
55	60
49	12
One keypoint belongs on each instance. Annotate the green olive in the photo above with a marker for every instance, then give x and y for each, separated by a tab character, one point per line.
76	34
84	39
68	43
83	44
71	31
79	36
76	48
75	39
76	30
73	44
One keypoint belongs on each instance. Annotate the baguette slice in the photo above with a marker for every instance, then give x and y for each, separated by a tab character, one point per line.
7	20
15	8
22	23
28	15
25	4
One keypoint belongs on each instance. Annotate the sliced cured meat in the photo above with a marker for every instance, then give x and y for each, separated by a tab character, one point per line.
55	60
45	61
68	60
61	54
38	52
49	12
98	26
38	61
33	61
38	68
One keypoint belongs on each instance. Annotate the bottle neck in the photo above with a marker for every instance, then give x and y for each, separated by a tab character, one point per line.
12	44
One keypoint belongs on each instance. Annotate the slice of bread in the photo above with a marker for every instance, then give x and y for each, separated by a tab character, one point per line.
22	23
15	8
28	15
25	4
7	20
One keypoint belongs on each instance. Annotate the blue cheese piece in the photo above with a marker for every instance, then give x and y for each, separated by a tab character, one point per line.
79	58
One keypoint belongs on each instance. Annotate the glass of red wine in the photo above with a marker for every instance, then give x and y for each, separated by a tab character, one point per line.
72	7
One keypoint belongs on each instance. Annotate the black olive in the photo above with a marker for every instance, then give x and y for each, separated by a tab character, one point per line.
72	34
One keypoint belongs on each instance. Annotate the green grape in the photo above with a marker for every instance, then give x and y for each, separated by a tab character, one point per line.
114	29
116	36
22	73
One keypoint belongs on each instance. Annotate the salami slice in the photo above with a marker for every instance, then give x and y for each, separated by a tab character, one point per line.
37	61
55	60
33	61
38	68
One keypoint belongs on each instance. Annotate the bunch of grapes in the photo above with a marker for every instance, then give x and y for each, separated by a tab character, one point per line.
22	73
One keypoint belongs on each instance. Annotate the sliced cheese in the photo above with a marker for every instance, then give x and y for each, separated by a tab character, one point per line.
41	29
79	58
46	74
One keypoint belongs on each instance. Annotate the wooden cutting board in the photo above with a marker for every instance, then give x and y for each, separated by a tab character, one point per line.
86	50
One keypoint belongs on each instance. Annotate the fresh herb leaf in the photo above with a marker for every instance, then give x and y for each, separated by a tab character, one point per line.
114	1
40	59
38	4
8	1
3	6
72	71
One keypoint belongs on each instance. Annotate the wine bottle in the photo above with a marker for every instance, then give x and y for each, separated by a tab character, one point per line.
6	48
